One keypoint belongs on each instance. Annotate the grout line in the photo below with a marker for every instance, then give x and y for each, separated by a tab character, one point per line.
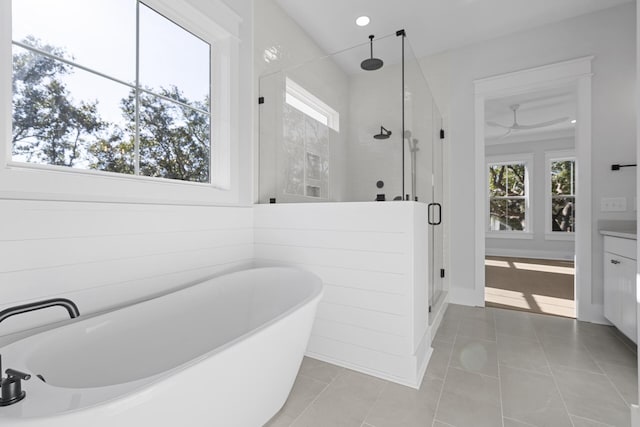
553	378
519	421
364	421
446	373
499	376
589	419
613	384
313	401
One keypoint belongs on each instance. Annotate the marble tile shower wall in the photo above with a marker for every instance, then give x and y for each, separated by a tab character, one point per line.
490	367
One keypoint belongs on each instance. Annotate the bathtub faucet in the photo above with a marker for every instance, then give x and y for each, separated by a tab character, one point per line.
11	386
71	307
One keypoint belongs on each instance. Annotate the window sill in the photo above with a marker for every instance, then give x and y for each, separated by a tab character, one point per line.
526	235
560	236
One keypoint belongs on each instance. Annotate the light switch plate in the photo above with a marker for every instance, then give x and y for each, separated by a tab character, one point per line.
613	204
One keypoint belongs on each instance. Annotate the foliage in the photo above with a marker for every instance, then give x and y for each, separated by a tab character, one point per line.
563	184
49	127
506	196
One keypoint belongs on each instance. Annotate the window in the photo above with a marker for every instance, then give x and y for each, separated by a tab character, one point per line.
307	124
560	193
508	190
85	129
131	95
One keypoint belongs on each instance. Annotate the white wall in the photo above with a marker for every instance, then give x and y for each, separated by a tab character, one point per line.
370	256
538	246
609	36
105	254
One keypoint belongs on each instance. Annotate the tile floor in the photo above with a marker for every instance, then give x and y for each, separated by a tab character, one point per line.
490	367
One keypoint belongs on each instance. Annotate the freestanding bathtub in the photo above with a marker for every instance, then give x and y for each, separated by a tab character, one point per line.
224	352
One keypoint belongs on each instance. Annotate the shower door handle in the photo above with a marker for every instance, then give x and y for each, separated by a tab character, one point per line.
430	210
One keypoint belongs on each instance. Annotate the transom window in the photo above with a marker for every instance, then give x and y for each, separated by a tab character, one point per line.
508	189
110	85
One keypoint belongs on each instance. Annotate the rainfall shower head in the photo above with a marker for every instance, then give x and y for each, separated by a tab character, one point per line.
371	64
384	133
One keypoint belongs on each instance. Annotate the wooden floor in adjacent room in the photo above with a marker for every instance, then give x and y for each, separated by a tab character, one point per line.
533	285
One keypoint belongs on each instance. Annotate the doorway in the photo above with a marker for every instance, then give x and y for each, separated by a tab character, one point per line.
573	74
531	196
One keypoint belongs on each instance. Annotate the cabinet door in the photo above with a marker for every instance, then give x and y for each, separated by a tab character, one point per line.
628	321
612	297
620	293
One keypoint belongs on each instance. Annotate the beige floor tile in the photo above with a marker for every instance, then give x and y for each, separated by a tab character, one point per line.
522	353
304	391
583	422
569	354
448	330
590	395
403	406
344	403
475	355
319	370
610	350
438	363
469	399
484	329
625	380
532	398
280	420
463	311
518	326
508	422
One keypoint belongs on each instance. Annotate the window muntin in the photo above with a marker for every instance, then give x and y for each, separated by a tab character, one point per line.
561	197
66	113
508	189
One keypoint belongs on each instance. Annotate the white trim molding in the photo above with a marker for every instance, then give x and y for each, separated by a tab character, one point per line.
216	24
574	74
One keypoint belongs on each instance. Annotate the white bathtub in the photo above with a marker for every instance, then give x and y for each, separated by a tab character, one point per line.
224	353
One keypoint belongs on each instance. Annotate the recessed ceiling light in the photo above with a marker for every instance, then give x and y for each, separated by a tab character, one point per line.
573	122
362	21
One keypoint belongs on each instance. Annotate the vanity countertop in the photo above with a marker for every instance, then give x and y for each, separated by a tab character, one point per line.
625	234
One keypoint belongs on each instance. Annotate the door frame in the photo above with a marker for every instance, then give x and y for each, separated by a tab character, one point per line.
576	74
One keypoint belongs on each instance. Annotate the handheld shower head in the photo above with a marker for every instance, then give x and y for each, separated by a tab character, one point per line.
384	133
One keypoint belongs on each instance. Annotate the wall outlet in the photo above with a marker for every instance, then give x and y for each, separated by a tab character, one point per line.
613	204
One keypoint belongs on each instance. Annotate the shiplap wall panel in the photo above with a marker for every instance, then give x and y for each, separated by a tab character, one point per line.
375	281
104	255
366	255
383	322
362	337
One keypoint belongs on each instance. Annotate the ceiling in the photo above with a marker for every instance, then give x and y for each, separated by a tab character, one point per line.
432	25
534	108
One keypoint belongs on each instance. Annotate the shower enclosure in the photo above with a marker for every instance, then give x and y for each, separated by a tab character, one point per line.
359	125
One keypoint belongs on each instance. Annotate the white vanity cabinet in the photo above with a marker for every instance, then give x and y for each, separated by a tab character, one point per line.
620	283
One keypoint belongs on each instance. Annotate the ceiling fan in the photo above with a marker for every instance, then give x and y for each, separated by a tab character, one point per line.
518	126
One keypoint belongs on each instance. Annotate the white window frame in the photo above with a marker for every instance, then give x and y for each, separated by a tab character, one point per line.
45	182
554	156
527	160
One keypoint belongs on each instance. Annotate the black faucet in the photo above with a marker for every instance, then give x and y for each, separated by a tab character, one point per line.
11	386
71	307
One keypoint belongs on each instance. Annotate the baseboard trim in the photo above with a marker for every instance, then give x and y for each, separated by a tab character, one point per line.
528	253
593	313
466	296
635	416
